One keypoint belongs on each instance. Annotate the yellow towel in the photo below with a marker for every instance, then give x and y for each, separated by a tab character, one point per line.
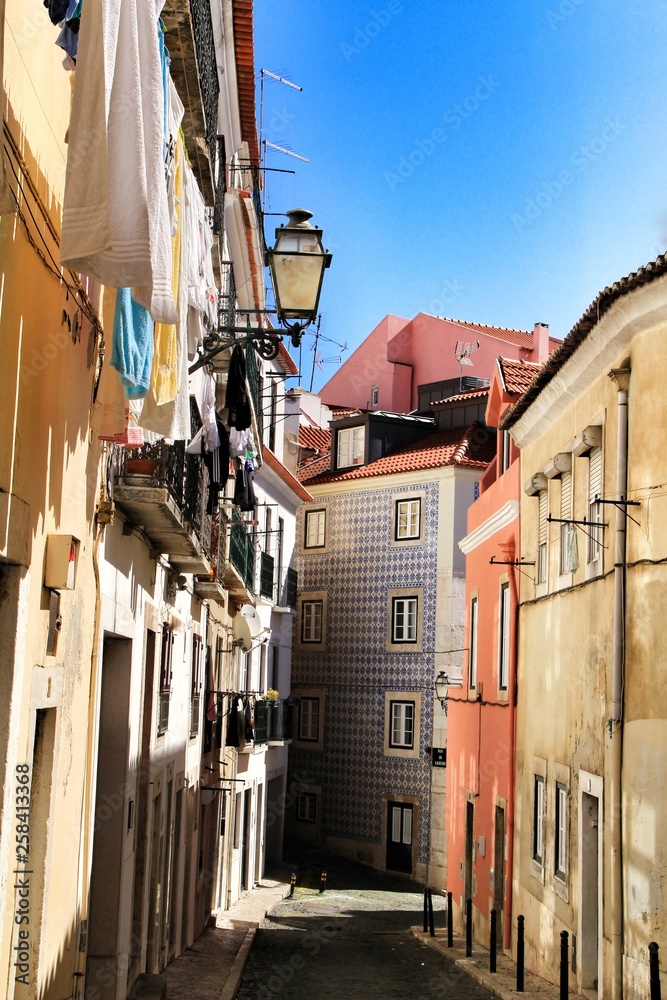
164	377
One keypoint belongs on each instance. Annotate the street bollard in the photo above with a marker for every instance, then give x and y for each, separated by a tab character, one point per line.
654	969
468	928
292	883
564	971
450	922
425	910
519	954
323	881
431	922
492	943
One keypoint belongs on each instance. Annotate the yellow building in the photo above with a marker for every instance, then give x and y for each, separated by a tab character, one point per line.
590	843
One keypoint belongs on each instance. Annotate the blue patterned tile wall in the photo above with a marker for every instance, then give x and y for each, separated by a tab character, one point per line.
358	569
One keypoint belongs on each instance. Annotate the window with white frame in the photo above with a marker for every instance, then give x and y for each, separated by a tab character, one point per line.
542	535
594	507
538	818
311	621
560	857
306	807
402	725
315	529
309	720
407	519
504	637
472	647
350	448
404	619
196	683
505	455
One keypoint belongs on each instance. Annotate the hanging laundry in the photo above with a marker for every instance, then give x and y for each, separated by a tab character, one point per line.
57	9
212	707
244	492
132	350
115	218
236	398
233	735
217	465
165	364
249	721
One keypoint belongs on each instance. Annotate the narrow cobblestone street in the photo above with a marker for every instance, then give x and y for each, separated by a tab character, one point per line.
352	940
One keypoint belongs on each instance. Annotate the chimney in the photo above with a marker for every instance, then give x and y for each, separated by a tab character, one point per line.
540	343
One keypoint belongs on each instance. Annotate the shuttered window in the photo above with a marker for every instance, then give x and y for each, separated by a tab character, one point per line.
569	560
543	500
594	508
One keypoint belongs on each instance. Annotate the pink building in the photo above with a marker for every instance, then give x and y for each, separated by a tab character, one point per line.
481	714
400	355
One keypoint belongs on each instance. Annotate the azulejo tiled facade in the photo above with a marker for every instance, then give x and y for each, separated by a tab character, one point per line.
354	670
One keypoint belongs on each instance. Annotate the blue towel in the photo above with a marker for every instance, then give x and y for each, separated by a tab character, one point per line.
132	351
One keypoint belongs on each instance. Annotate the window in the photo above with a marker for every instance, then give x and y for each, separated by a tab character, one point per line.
407	519
504	638
404	619
375	395
538	818
306	807
311	621
315	533
309	719
561	831
472	663
594	508
569	559
197	682
505	454
402	725
350	447
165	679
542	535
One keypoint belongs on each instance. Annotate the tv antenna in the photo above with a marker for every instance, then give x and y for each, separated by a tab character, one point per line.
264	143
462	353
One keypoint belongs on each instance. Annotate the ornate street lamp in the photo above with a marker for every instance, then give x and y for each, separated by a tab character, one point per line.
297	263
441	689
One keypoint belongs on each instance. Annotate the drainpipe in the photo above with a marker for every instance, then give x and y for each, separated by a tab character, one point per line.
621	376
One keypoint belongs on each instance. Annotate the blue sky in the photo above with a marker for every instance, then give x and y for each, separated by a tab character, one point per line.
494	162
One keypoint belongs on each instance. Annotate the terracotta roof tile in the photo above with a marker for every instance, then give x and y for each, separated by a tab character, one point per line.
473	447
471	394
245	74
579	332
517	375
311	470
317	438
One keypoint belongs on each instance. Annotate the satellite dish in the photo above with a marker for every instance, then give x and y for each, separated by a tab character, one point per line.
248	628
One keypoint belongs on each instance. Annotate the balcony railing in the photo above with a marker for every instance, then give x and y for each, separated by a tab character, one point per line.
161	488
266	574
273	721
241	554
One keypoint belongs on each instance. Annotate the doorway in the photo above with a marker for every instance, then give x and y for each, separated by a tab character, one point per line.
470	829
499	870
245	844
590	891
399	837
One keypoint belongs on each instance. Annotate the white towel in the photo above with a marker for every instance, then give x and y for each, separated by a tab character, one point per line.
115	218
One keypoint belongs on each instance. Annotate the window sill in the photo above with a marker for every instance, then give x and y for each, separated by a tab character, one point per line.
560	888
565	581
537	871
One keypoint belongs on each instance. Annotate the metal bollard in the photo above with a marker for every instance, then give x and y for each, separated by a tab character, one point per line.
564	971
323	881
431	923
654	969
519	954
292	883
425	910
492	943
450	922
468	928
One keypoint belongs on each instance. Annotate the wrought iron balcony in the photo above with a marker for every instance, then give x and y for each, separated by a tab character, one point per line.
159	488
212	586
273	721
240	565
